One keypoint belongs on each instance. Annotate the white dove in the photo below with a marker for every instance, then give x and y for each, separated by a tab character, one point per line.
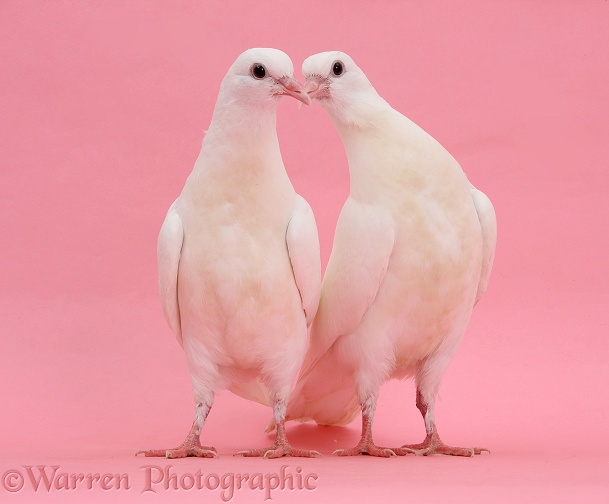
412	254
238	255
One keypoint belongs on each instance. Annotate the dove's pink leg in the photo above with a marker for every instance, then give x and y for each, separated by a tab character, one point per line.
366	446
281	447
191	447
432	443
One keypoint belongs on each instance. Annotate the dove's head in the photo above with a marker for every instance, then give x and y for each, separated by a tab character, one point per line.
338	84
259	77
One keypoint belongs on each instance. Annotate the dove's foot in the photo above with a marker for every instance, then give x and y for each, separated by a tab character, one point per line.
278	450
366	445
434	445
366	448
182	452
281	448
191	447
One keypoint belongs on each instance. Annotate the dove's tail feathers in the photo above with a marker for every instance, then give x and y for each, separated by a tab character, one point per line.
488	223
270	427
325	394
254	390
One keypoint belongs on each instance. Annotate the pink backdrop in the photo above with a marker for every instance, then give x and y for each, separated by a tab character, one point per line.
103	107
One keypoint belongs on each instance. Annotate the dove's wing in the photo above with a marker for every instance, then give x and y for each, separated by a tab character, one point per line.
303	248
488	222
169	248
362	247
360	255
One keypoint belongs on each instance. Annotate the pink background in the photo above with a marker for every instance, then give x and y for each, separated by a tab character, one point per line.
103	107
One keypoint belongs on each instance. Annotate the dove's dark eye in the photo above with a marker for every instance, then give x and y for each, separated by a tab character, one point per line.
337	68
258	71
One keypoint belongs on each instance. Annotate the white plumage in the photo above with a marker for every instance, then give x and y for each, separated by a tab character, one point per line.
412	254
238	254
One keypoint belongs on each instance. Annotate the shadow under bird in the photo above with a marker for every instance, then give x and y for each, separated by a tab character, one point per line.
412	255
238	256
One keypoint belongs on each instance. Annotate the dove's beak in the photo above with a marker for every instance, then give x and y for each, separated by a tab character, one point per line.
317	87
293	88
311	88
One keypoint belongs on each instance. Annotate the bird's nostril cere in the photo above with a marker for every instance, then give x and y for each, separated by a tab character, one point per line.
311	87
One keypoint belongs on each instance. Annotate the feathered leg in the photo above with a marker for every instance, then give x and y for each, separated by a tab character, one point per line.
281	447
191	447
366	445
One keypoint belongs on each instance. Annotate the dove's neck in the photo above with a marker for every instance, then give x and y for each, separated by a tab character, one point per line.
240	154
364	140
241	140
389	154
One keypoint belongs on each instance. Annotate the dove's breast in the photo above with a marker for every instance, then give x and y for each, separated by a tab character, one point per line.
236	289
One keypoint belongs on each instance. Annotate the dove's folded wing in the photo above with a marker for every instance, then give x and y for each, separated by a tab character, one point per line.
169	248
488	223
303	248
362	247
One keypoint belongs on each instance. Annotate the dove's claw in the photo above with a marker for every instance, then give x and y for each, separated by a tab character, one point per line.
405	450
434	445
182	451
201	451
281	448
366	445
250	453
368	448
191	447
151	453
276	451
